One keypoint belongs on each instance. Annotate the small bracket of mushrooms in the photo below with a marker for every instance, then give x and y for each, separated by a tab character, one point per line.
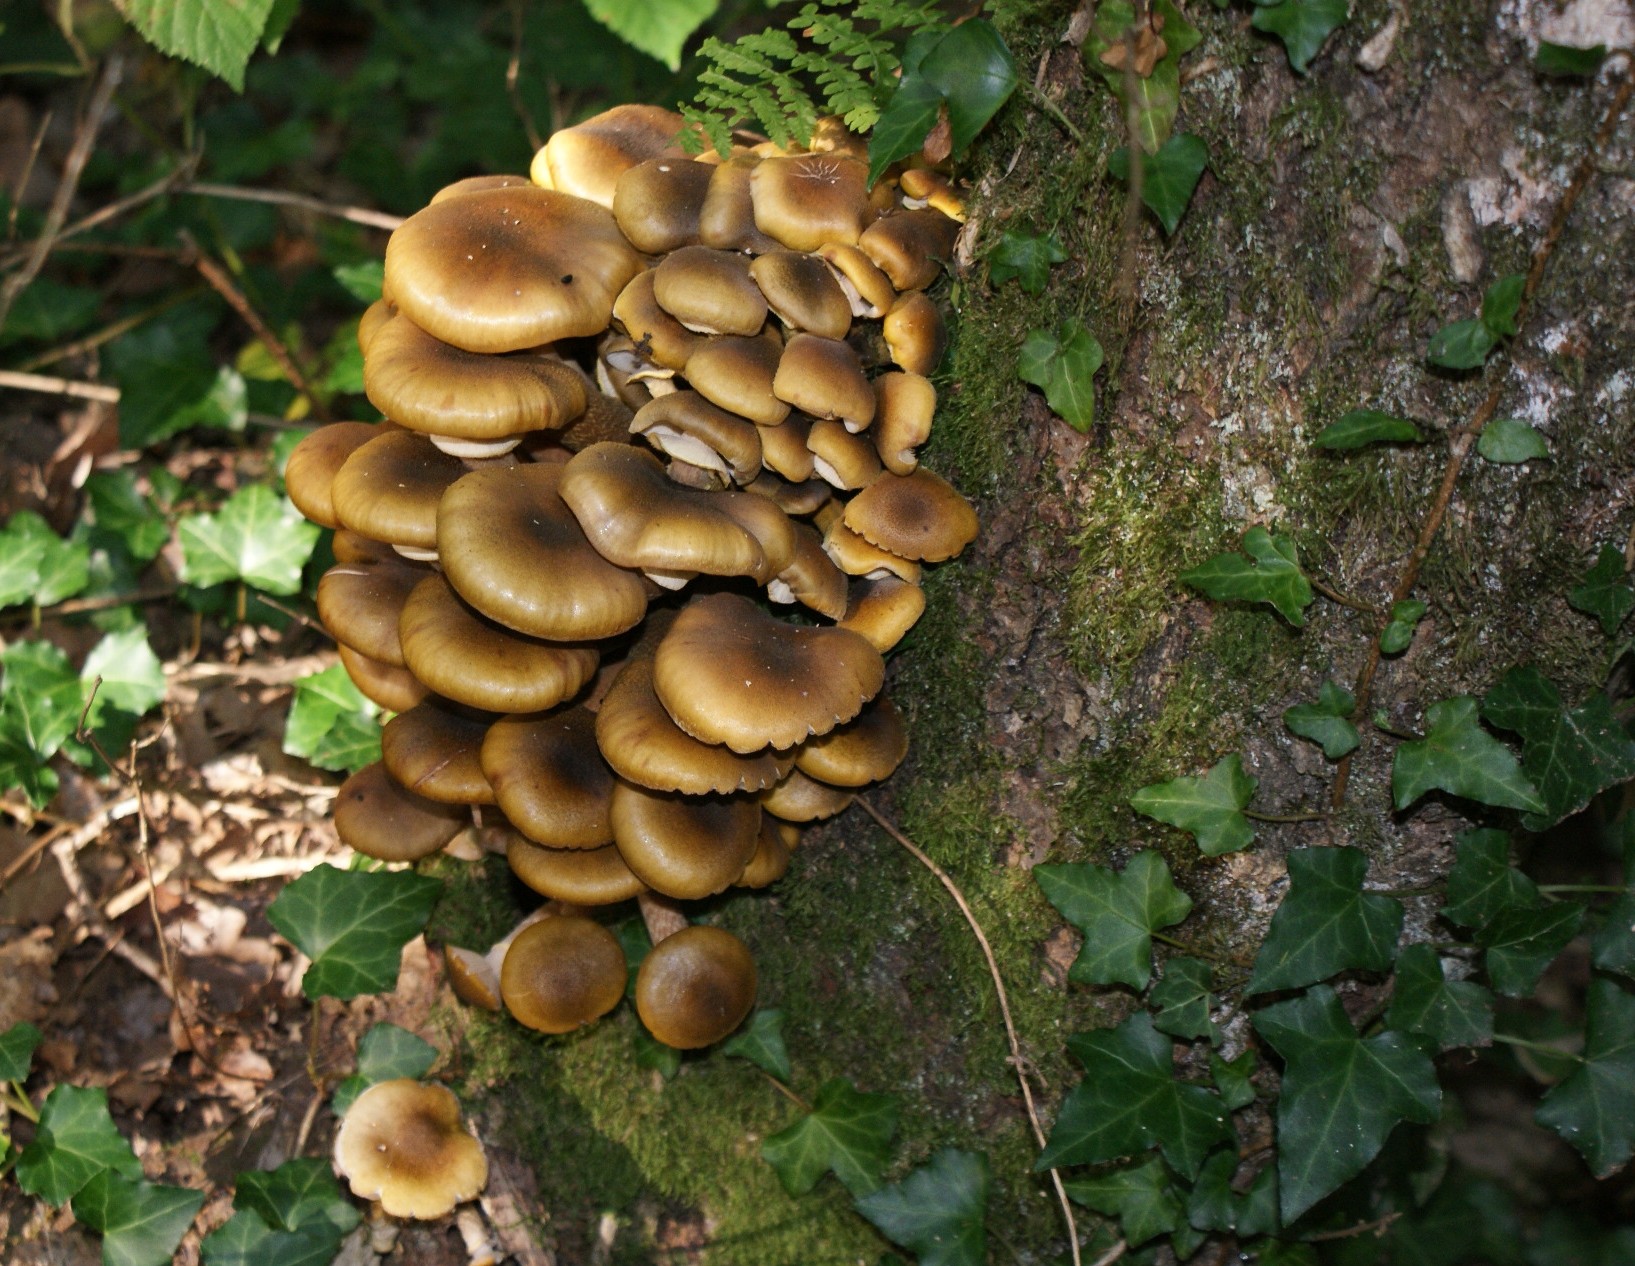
638	406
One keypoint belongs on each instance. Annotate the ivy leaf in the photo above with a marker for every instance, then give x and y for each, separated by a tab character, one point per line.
1063	366
1566	61
1449	1012
761	1043
245	1240
1341	1094
1605	592
655	1055
38	566
1510	441
363	280
1328	721
1326	924
74	1141
256	537
385	1052
20	766
1184	1000
847	1131
1154	99
1520	944
904	124
17	1050
1399	630
353	925
1613	946
1362	427
1461	345
1271	574
1026	257
1458	756
1594	1108
219	37
939	1211
41	693
142	1223
133	679
1210	807
331	723
298	1195
1302	25
1168	176
1483	884
1501	303
1571	757
1141	1196
1234	1078
658	28
976	74
1131	1101
1214	1206
1117	912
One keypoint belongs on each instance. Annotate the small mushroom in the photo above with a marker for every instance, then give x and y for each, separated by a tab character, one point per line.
379	819
401	1143
695	987
562	973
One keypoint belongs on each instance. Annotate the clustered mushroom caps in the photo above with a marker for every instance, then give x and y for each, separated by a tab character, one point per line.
634	406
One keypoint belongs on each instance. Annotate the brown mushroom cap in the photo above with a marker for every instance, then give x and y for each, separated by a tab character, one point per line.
806	200
561	973
374	316
695	987
904	407
823	377
310	472
811	578
688	847
477	184
549	778
709	291
869	290
655	335
588	158
401	1142
914	333
433	751
580	876
729	673
883	609
802	290
784	450
379	819
505	269
799	798
736	373
794	499
842	457
389	488
683	424
856	556
360	603
727	219
657	203
910	246
773	848
919	516
393	688
864	750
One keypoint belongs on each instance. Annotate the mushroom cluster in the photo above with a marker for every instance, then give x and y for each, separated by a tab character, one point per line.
636	404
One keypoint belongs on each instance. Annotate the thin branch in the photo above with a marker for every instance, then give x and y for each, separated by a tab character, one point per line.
113	210
280	198
111	331
1345	600
1042	100
512	75
24	176
58	386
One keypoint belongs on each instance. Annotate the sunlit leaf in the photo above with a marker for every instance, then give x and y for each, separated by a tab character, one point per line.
1459	757
133	679
1117	912
353	925
74	1141
38	566
220	37
1326	924
256	537
41	694
847	1131
1209	806
939	1211
1267	571
1063	365
294	1215
658	28
385	1052
142	1223
363	281
331	723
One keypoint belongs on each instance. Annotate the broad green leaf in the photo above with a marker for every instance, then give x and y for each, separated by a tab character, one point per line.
1483	884
163	368
17	1050
658	28
298	1195
1209	806
256	537
218	36
48	311
1156	98
1117	912
41	693
761	1043
1362	427
1142	1196
74	1141
363	281
1215	1206
21	766
245	1240
1326	924
1063	365
119	507
1398	632
1501	303
1466	1220
1449	1012
348	745
1328	721
1613	946
1594	1109
385	1052
323	704
847	1131
1520	944
1605	592
939	1211
1459	757
904	123
1571	757
133	679
1168	176
1566	61
1130	1100
976	74
1234	1078
1462	345
1510	441
1026	257
1184	1000
1302	25
1341	1094
142	1223
37	566
1270	573
353	925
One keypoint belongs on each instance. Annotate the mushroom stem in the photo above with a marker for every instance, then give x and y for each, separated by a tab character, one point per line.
383	1230
661	914
473	1227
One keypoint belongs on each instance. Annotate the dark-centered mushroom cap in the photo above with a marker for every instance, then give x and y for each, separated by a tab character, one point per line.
883	609
841	456
918	515
856	556
799	798
709	291
433	751
823	377
477	184
683	424
727	219
511	548
905	405
361	603
310	472
695	987
729	673
588	158
401	1143
579	876
655	335
736	373
864	750
563	972
390	687
389	488
549	778
378	818
806	200
910	246
804	293
657	203
687	847
506	269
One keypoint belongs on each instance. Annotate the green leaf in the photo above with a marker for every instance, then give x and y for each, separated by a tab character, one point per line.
1209	806
299	1195
218	36
1341	1094
904	123
1449	1012
163	369
1520	944
74	1141
1130	1101
1063	366
1026	257
1605	592
1462	345
658	28
133	679
1184	1000
17	1050
976	74
1328	721
142	1223
1156	98
1362	427
1510	441
1571	757
1326	923
847	1131
939	1211
1399	630
363	281
1142	1196
1117	912
655	1055
761	1043
119	507
331	724
1594	1109
48	311
1215	1206
245	1240
1302	25
41	694
38	566
353	925
1270	573
1501	303
1234	1078
20	766
385	1052
256	537
1168	176
1613	946
1459	757
1482	884
1566	61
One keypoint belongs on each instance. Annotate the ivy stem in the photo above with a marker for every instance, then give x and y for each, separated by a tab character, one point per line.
1550	889
1284	817
1407	736
1345	600
1541	1047
1044	103
786	1092
18	1102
